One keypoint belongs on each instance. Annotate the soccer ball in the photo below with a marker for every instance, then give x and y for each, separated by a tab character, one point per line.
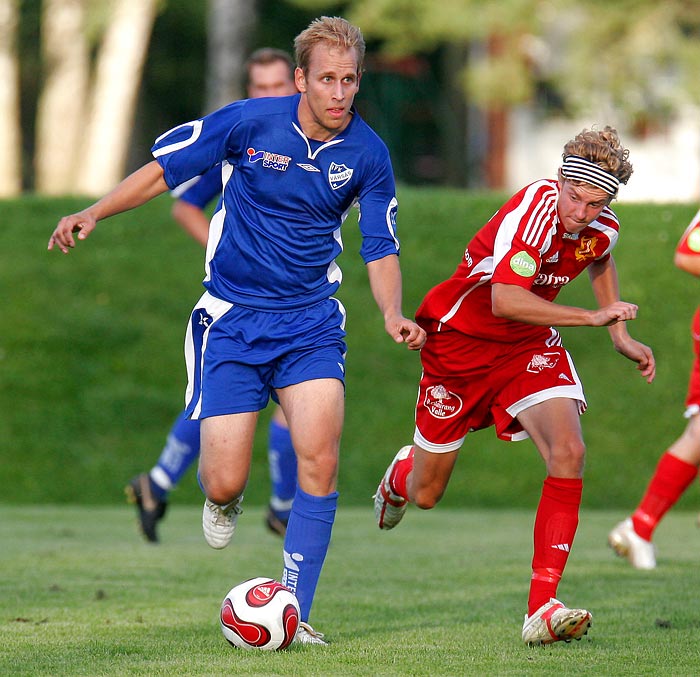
260	613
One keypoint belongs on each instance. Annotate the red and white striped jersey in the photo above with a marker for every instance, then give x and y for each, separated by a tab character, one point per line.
525	244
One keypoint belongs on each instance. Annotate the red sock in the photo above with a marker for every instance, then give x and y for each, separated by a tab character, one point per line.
671	478
555	528
397	480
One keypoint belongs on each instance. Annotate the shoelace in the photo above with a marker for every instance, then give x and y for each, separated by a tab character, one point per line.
222	514
310	630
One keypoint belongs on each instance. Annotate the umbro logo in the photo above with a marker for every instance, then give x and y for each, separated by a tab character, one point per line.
307	167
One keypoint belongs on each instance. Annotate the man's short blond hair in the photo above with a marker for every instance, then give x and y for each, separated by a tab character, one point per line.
334	31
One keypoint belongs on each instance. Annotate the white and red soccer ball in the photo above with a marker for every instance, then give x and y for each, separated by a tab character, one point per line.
260	613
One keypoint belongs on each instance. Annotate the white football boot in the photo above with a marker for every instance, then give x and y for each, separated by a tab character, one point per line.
219	522
388	507
626	542
553	622
307	635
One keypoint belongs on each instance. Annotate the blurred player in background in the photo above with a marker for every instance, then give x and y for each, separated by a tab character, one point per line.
494	358
270	72
678	465
268	324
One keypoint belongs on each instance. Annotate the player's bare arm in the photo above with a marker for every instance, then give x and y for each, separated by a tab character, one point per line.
637	352
192	219
606	289
516	303
385	281
689	263
604	281
136	189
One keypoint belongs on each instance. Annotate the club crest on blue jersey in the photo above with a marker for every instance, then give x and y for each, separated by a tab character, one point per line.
271	160
339	175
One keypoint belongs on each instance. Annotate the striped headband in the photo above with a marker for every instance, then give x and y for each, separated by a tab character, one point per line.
580	169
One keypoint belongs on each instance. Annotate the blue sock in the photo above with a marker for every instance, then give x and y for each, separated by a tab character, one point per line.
306	544
179	452
283	469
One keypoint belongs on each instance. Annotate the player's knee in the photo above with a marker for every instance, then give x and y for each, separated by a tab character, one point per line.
577	451
567	458
219	490
318	475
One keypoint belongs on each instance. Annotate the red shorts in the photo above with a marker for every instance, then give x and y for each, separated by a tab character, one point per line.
469	384
692	400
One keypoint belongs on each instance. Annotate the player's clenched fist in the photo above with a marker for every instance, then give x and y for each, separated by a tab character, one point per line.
619	311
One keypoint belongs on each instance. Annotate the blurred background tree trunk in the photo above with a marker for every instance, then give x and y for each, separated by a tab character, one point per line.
61	106
114	94
10	134
230	27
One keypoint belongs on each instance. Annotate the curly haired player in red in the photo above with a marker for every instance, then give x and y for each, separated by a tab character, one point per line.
678	465
493	357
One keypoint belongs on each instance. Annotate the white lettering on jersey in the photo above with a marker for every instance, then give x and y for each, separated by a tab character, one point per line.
552	280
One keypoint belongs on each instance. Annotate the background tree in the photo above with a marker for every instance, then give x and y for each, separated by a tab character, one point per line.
114	94
230	27
636	58
643	55
84	106
10	172
61	106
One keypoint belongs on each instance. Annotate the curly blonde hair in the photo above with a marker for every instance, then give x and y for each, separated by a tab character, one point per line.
604	148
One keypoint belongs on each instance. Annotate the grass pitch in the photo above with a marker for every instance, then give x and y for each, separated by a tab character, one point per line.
443	594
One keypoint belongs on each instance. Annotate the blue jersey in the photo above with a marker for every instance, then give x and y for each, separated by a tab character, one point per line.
274	240
200	190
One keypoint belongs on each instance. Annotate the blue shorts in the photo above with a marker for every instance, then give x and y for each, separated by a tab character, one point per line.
236	357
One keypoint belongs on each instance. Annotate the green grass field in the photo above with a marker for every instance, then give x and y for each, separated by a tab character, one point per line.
444	594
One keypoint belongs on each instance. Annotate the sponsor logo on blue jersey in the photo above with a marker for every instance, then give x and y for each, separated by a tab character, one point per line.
339	175
269	160
307	167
